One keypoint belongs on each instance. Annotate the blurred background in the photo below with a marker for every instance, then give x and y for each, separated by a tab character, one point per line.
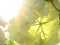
29	22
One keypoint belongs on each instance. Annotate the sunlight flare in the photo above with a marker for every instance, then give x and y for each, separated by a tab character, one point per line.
6	35
10	8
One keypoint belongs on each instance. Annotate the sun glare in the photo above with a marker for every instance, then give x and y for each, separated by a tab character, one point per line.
6	35
59	0
10	8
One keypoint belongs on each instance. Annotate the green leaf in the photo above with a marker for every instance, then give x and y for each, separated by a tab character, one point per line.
9	42
53	13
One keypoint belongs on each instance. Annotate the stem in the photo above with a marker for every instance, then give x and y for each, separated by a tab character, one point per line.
51	1
43	32
55	7
59	18
38	29
59	15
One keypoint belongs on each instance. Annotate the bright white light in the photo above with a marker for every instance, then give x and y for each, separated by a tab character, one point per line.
10	8
58	0
59	44
6	35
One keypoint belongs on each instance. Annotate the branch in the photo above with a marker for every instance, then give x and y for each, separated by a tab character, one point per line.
55	7
51	1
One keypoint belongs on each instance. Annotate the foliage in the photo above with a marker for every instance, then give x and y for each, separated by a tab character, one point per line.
40	24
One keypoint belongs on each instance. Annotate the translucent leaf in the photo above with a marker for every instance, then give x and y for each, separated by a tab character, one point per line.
53	28
38	4
18	33
30	16
45	11
52	13
50	32
20	28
